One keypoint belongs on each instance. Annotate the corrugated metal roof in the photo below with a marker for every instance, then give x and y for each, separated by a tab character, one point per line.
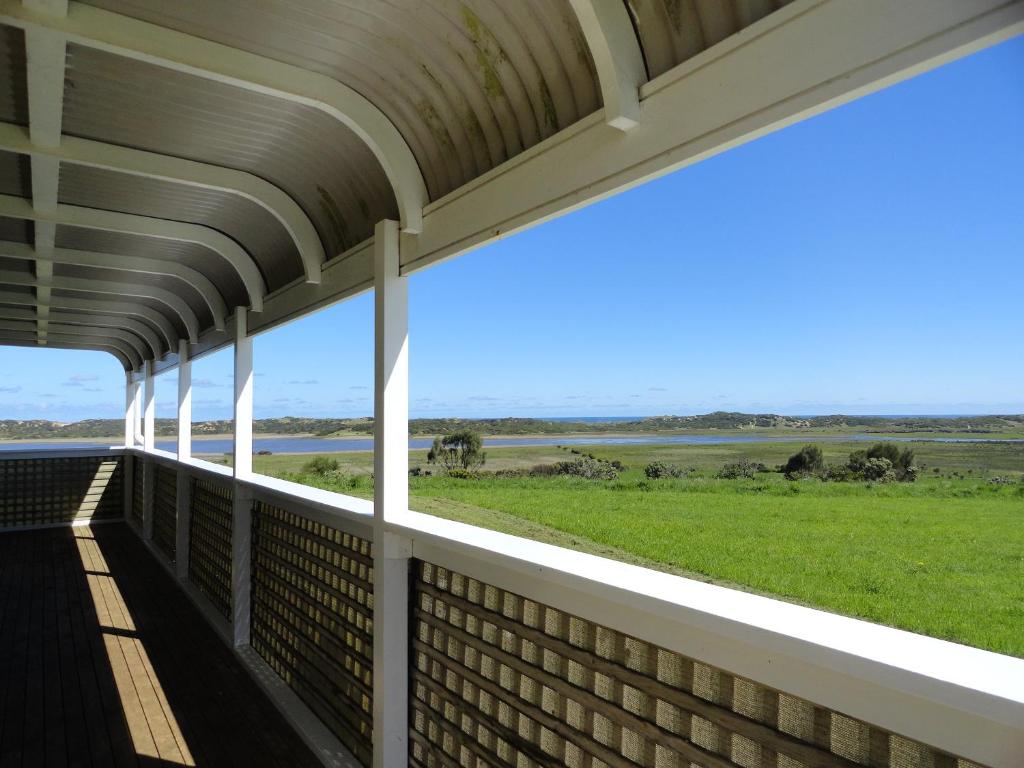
260	234
325	167
16	230
672	31
211	264
13	84
168	282
468	83
15	174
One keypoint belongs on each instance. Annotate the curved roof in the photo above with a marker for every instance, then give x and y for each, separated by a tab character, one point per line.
203	155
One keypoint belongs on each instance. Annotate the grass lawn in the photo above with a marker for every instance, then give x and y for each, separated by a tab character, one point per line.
943	556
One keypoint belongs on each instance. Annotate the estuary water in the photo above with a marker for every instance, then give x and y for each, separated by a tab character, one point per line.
207	446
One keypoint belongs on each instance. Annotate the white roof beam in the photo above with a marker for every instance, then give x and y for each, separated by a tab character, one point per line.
137	264
12	340
129	223
122	324
141	41
616	52
114	288
45	53
135	162
124	311
10	328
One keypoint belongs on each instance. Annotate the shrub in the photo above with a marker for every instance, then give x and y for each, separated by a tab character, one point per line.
461	474
901	462
808	461
736	470
585	467
321	465
879	470
659	469
838	473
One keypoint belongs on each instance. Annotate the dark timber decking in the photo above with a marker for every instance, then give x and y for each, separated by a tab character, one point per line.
105	662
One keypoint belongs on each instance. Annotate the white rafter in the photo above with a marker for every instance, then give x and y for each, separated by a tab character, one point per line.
129	223
616	52
97	345
136	264
123	310
13	328
113	288
122	324
133	39
45	53
150	165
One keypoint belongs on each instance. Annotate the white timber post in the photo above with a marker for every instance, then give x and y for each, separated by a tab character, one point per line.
391	552
184	402
183	488
129	410
148	443
241	524
131	399
148	407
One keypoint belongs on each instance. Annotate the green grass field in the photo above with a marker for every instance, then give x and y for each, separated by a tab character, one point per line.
943	556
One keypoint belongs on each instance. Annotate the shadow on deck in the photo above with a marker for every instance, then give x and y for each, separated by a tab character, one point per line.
105	661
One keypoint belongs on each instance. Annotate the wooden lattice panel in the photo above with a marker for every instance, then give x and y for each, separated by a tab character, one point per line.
165	510
138	489
61	489
209	554
500	680
312	618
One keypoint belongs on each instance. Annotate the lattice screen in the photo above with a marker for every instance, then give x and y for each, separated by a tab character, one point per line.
499	680
209	563
312	618
138	489
45	491
165	510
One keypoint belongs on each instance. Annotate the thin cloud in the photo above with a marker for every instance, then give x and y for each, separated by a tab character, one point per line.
205	384
10	390
358	387
81	377
304	382
657	389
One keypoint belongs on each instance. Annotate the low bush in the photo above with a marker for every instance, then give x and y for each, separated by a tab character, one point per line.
586	467
321	465
742	469
659	469
808	461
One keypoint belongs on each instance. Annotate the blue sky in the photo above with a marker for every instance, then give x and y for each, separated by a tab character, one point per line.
870	260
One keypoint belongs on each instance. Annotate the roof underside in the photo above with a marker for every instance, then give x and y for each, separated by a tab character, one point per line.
203	155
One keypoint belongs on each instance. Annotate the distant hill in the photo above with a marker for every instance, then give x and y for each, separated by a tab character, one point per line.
38	429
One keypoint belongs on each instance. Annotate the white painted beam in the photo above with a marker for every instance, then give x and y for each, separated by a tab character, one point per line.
391	552
57	324
114	221
616	52
115	288
104	307
153	348
127	343
141	41
27	338
135	162
184	402
137	264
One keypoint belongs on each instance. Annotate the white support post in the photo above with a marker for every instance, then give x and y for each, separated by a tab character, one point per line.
137	414
148	407
129	410
184	402
241	524
391	552
243	396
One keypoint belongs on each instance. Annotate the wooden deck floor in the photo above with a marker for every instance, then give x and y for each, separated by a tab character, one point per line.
105	662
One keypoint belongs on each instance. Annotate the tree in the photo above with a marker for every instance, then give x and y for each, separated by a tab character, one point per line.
809	461
459	450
